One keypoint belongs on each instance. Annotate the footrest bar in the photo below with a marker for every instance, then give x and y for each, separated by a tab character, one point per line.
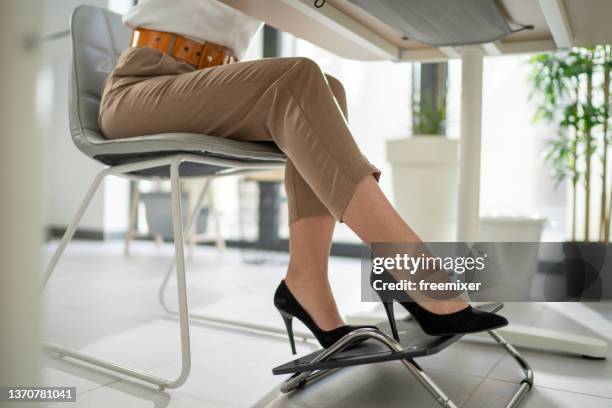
323	362
527	381
304	377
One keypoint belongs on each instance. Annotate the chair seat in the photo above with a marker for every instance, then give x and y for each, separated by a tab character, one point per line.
114	152
185	142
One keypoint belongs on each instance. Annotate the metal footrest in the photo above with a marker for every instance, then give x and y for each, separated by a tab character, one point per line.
367	346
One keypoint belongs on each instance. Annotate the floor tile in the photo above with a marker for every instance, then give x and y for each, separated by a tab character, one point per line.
493	393
568	373
232	367
106	304
386	385
131	394
144	345
63	372
466	358
563	372
76	328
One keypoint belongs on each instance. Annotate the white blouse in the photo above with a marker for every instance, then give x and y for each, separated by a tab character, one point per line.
198	20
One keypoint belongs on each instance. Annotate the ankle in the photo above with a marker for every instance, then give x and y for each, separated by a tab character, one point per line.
299	276
313	292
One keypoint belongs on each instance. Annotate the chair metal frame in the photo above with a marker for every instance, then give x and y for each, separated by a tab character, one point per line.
142	158
234	167
233	323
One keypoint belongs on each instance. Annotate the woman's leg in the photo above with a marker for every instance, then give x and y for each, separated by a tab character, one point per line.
367	211
309	243
287	100
311	228
384	224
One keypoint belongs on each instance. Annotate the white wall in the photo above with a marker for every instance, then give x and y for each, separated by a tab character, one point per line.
514	178
20	204
68	171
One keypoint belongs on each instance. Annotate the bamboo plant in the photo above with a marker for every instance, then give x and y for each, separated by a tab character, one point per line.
429	99
571	90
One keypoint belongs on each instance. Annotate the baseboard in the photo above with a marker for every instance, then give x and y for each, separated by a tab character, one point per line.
84	234
280	245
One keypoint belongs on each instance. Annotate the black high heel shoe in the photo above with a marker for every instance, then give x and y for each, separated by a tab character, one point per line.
468	320
289	307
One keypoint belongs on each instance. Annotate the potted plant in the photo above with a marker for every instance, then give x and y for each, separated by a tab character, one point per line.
425	165
571	90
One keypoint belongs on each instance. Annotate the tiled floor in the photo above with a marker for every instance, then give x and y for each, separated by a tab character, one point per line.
102	303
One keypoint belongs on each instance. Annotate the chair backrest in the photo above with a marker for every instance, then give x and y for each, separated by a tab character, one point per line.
98	38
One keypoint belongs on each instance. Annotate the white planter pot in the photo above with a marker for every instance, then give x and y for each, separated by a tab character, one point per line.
425	183
517	264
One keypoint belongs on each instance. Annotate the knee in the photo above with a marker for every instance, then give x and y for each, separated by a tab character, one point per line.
306	64
300	76
336	86
337	89
303	68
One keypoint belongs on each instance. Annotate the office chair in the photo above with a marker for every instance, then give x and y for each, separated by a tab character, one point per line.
98	38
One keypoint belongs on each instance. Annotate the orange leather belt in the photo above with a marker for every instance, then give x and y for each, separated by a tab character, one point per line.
200	55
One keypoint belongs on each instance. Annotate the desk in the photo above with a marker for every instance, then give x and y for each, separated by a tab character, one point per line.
350	32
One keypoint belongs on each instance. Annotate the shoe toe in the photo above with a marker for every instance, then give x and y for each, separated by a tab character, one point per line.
499	321
492	321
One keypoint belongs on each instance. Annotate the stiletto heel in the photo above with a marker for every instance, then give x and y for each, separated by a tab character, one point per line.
288	319
391	317
289	307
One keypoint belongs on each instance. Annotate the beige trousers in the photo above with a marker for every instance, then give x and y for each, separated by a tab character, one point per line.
285	100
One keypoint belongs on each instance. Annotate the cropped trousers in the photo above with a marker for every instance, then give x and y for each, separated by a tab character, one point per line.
285	100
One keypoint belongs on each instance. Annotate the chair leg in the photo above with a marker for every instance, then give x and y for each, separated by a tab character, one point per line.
243	325
71	229
191	221
179	258
181	284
